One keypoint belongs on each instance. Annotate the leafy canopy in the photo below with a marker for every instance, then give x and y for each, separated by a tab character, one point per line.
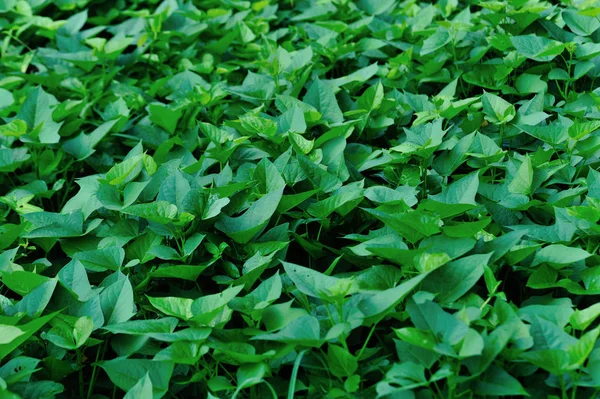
299	199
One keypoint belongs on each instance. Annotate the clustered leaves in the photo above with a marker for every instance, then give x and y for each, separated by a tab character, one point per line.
299	199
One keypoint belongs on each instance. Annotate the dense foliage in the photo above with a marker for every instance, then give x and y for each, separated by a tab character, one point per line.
299	199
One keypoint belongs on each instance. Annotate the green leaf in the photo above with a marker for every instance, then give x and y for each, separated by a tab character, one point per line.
164	116
243	228
554	361
125	171
172	306
497	110
523	179
559	256
319	177
174	190
117	298
15	128
23	282
300	143
303	331
579	24
527	84
318	285
411	225
126	373
160	211
439	39
11	159
290	201
99	260
373	7
292	121
184	272
249	375
350	194
70	336
429	316
205	309
537	48
82	146
74	278
321	96
341	363
167	166
455	279
10	333
456	198
498	382
36	111
141	390
376	306
47	224
581	319
35	302
553	134
142	327
18	369
255	302
14	336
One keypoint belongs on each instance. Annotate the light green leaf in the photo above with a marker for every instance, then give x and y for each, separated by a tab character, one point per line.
117	298
164	116
36	111
523	179
126	373
319	285
439	39
160	211
243	228
579	24
82	146
537	48
456	278
321	96
141	390
496	109
559	256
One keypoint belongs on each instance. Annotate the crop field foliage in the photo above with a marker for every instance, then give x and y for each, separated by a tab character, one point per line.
299	199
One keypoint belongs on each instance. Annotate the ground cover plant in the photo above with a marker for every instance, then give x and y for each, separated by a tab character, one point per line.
299	199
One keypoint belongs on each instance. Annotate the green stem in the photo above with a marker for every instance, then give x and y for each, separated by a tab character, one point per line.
80	366
487	301
65	196
568	82
329	315
271	389
294	376
563	390
562	93
454	47
451	381
366	341
340	309
319	233
423	180
99	353
439	391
